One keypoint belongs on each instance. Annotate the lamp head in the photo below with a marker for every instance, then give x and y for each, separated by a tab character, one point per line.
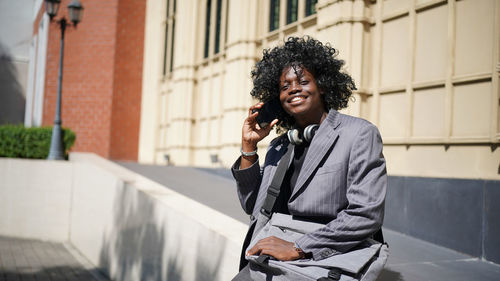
51	7
75	9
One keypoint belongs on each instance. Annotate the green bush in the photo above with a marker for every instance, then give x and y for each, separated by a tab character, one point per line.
16	141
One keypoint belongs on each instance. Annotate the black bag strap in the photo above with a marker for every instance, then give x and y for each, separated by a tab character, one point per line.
274	189
333	275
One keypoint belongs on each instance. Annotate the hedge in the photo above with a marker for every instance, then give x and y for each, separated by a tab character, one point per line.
17	141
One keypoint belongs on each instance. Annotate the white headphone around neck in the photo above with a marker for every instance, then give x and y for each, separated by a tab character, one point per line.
297	137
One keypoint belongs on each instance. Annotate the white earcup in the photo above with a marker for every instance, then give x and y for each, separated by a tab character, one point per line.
294	136
309	132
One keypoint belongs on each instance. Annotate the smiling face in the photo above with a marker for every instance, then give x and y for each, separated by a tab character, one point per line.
300	96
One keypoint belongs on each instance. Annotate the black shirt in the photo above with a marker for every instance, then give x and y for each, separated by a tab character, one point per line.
299	154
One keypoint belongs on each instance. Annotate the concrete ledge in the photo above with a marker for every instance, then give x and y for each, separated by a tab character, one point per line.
127	225
35	198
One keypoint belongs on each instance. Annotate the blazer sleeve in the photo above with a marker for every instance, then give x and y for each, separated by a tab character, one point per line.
366	189
247	182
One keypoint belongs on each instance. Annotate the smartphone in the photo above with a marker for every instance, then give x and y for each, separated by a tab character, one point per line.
268	112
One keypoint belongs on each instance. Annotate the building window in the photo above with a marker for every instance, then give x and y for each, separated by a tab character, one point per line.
172	47
168	51
291	11
207	28
217	26
213	27
274	18
311	7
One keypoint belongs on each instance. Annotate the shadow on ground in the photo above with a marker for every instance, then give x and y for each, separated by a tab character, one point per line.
389	275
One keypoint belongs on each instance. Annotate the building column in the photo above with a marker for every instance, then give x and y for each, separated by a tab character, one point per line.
241	54
180	87
345	24
151	74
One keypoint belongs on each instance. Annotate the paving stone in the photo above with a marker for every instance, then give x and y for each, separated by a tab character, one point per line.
12	276
412	259
27	260
42	276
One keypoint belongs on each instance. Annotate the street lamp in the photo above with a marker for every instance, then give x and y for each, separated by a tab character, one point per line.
75	10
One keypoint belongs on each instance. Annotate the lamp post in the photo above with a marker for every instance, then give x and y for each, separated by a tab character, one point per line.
75	10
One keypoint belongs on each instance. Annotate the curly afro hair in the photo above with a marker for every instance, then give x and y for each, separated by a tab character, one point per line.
318	58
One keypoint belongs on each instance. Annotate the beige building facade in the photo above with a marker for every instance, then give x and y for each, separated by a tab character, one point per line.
427	75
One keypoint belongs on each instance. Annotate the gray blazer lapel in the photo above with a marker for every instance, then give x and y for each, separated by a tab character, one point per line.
323	140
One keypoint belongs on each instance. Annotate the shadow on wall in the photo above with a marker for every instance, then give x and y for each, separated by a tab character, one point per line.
144	247
209	257
137	244
12	100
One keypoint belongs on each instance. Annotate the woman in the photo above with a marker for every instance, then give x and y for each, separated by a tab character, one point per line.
338	178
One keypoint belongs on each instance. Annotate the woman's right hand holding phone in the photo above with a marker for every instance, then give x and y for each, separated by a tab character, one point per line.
252	133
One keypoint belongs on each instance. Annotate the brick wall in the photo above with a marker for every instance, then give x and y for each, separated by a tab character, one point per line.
101	82
128	80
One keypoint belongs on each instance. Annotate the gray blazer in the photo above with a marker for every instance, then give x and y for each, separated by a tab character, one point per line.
343	180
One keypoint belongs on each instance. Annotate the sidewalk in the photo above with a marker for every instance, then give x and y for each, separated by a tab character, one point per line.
26	259
410	259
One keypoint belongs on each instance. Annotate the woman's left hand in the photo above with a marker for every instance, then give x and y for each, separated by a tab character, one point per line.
276	247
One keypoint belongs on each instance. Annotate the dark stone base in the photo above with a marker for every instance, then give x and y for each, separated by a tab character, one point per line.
460	214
